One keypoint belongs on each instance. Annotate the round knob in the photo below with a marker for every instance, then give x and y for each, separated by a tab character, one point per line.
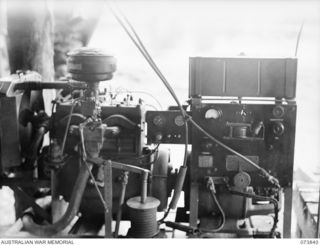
278	111
278	128
159	121
158	137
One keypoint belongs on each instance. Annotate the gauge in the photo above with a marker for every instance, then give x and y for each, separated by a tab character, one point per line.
213	114
159	121
179	121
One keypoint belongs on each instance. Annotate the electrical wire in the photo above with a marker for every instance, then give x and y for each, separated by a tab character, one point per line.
138	43
223	216
149	94
298	39
261	170
203	231
211	188
140	92
184	165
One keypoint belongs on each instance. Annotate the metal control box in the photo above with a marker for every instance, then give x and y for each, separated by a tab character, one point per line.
263	133
166	127
243	77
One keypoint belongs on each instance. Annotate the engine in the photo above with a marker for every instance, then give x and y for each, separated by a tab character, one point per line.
104	157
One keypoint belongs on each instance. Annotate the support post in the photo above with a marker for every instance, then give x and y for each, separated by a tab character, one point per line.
194	199
287	213
108	198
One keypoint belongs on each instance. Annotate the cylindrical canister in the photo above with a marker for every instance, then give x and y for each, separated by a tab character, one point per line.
143	217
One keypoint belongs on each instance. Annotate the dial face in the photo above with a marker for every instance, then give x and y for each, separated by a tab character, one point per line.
159	121
179	120
212	114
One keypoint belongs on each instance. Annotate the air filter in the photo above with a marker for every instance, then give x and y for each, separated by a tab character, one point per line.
90	65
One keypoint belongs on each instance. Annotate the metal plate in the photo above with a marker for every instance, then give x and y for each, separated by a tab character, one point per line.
9	139
243	77
166	127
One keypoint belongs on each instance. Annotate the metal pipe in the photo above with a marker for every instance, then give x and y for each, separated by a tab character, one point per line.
144	186
67	128
72	210
178	187
129	168
118	165
124	183
33	149
54	196
35	85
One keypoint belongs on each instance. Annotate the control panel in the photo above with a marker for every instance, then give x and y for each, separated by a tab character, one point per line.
264	133
165	127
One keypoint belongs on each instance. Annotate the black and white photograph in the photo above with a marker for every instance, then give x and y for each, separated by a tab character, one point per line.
159	119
